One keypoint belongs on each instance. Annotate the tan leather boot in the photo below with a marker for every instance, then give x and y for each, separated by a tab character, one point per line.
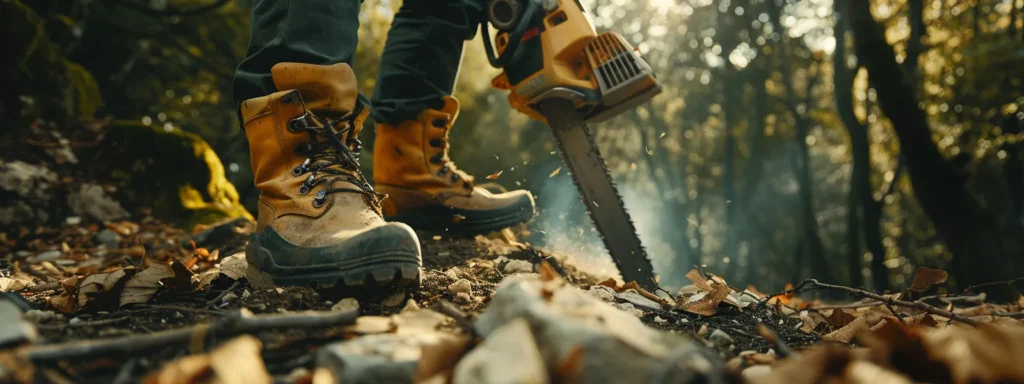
319	220
426	191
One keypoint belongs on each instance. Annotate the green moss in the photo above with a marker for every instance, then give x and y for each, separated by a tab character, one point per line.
176	173
35	65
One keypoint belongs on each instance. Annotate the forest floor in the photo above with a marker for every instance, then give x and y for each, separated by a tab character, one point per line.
80	315
93	292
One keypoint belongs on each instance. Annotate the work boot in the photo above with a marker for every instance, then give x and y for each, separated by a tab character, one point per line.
426	190
319	220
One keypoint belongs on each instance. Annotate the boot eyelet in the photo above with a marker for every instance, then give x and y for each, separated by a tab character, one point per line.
440	123
436	159
297	124
437	143
320	199
301	168
303	190
287	99
454	178
442	172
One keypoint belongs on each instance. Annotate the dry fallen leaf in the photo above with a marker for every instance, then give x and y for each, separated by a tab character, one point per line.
141	287
236	362
14	283
494	176
706	301
839	318
98	286
233	267
848	332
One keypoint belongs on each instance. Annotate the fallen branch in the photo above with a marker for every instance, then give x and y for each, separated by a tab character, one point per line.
242	322
811	284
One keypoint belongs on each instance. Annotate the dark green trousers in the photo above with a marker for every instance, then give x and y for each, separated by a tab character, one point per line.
418	66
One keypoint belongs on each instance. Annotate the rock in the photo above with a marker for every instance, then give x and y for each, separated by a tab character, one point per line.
107	237
517	266
15	329
463	298
512	340
634	297
720	338
606	345
408	344
346	304
152	159
602	292
461	286
26	180
92	201
76	321
73	220
452	273
394	300
45	256
659	320
629	308
38	316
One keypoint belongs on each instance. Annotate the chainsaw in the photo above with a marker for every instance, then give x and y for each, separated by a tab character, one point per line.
559	70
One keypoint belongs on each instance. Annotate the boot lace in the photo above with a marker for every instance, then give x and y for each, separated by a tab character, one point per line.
331	159
447	165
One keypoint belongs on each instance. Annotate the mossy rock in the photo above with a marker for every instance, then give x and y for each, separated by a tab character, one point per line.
36	66
174	172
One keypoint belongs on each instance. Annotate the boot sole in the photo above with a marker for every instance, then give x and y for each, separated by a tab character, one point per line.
466	222
391	268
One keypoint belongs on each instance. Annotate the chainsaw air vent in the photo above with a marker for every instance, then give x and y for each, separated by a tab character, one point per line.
617	67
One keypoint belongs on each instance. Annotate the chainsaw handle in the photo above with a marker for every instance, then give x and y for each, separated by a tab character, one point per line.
515	37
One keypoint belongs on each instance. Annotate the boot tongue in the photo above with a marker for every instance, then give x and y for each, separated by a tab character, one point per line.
330	91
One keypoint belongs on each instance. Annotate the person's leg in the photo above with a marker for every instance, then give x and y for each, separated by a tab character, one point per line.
319	221
415	111
322	32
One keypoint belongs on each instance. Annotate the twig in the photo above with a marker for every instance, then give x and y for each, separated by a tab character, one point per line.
213	303
1014	315
157	307
782	349
44	287
1007	282
463	321
95	323
810	284
243	322
894	314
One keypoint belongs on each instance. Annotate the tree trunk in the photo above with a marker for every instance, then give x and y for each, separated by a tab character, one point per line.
915	46
815	250
863	210
980	250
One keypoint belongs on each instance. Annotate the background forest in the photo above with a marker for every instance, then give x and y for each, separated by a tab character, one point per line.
849	141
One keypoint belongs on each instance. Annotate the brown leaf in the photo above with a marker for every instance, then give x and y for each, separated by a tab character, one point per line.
15	368
141	287
494	176
839	318
233	267
14	283
848	332
236	362
707	304
182	280
100	287
924	279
